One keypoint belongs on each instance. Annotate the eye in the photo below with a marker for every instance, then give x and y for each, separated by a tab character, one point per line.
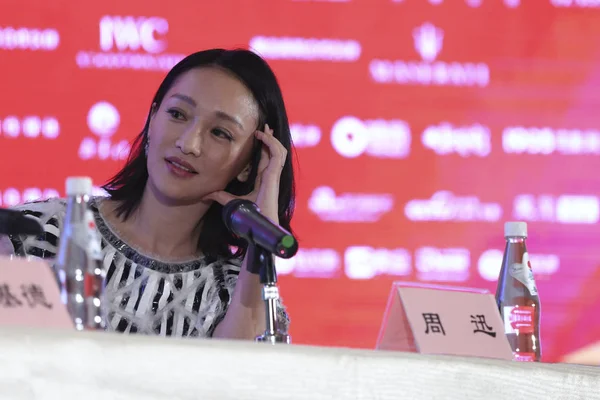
222	134
176	114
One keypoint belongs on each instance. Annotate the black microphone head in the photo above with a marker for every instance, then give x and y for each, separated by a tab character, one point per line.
232	206
14	222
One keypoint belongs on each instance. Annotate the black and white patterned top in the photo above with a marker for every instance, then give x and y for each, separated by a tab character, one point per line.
145	295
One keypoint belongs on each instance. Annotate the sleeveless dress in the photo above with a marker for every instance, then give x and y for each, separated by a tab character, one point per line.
146	295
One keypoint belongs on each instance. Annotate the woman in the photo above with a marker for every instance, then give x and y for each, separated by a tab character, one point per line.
217	130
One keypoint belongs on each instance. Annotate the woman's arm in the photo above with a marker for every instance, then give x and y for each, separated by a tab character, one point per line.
246	317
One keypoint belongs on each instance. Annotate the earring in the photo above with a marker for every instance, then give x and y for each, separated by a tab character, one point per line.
146	146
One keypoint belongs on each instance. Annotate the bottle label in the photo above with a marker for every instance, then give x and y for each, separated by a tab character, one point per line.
94	240
519	319
522	356
523	273
86	235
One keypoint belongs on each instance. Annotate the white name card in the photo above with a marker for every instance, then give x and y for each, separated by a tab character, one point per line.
433	319
29	295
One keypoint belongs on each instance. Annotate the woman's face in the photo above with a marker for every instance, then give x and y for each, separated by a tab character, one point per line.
201	137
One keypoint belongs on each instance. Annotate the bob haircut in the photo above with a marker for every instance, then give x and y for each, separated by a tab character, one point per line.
127	186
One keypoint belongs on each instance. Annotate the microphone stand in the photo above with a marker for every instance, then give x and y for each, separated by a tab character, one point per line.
263	263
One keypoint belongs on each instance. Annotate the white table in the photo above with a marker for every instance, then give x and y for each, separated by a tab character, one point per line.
37	364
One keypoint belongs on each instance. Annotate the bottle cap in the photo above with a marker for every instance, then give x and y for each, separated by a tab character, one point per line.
518	229
79	185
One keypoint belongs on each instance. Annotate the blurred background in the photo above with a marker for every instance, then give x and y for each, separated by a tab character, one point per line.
420	127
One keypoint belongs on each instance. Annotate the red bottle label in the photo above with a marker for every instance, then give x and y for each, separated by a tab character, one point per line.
519	319
526	357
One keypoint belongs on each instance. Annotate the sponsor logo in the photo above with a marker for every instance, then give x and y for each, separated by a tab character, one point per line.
490	263
447	265
576	3
563	209
546	141
31	126
103	120
10	197
512	3
33	39
305	135
306	49
445	206
465	141
310	263
428	42
352	137
128	42
364	262
349	207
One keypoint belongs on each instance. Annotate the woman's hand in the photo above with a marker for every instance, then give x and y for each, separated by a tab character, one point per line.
266	187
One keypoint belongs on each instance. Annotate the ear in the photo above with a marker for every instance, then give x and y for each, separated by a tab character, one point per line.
245	174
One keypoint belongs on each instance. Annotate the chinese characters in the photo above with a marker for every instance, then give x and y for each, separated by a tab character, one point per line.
433	324
31	295
481	326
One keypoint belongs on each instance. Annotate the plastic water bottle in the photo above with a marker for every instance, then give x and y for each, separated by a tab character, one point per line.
79	262
517	296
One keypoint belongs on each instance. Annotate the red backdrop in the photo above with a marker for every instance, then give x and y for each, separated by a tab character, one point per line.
420	126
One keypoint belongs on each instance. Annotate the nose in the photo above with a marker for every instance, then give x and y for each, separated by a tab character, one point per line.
190	141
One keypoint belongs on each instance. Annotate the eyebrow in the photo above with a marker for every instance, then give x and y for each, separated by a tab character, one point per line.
219	114
185	98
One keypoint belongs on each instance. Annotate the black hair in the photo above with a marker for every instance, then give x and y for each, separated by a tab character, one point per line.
127	186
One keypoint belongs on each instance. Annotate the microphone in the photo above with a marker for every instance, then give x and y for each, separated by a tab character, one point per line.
14	222
243	218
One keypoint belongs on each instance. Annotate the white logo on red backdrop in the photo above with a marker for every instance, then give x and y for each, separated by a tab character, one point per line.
428	42
310	263
545	141
564	209
305	49
446	139
490	262
474	3
352	137
305	135
445	206
128	42
10	197
364	262
103	120
349	207
28	39
576	3
31	126
447	265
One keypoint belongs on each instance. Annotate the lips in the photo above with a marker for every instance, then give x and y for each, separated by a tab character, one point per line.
180	164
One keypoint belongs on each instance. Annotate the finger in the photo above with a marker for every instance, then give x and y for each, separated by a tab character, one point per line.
220	197
264	158
276	149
